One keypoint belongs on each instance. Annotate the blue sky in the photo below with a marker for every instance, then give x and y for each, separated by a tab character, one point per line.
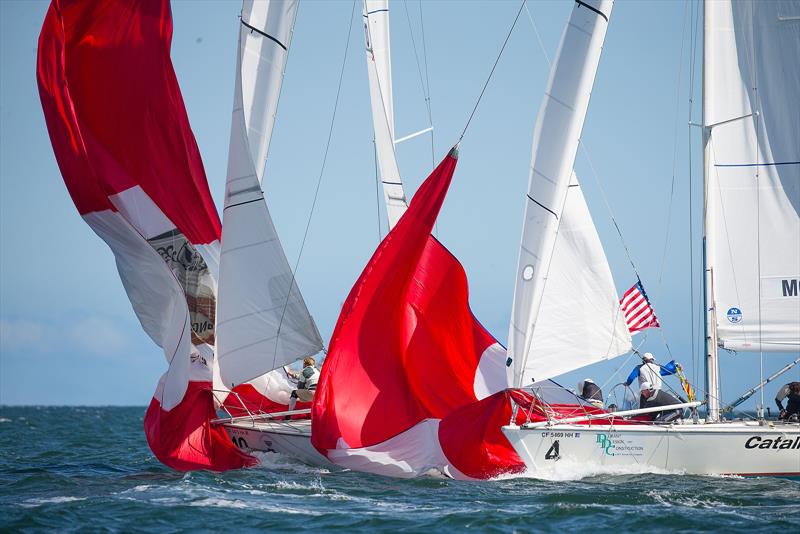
68	335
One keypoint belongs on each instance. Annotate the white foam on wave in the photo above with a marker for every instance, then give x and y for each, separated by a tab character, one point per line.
4	420
32	503
566	470
274	460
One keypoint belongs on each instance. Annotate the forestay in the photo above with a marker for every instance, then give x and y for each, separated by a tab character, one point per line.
263	322
379	70
750	107
550	262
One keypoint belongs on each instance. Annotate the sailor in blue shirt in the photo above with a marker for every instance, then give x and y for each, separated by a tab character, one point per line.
650	372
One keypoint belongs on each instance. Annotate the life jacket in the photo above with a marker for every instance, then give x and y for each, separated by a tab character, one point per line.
309	377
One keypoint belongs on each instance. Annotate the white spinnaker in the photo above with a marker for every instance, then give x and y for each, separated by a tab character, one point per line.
262	320
580	321
750	104
379	70
555	143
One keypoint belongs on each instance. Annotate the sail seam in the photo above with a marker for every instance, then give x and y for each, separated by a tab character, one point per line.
542	205
249	245
587	6
262	33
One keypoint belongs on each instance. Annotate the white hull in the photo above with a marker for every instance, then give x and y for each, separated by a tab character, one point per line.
739	447
292	438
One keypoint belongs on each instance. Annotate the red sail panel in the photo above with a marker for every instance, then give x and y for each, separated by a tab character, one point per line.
472	440
183	439
129	160
363	396
123	93
403	361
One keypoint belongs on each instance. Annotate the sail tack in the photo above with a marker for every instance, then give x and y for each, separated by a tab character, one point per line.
752	122
262	320
123	143
564	284
379	71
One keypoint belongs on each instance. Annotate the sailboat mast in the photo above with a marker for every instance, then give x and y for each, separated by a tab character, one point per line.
711	359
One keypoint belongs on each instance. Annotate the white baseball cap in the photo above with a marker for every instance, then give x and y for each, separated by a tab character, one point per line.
648	357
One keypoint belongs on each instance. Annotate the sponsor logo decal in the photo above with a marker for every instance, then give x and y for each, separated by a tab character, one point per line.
777	443
614	444
735	315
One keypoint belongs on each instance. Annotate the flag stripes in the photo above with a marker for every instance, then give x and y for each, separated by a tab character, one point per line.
639	313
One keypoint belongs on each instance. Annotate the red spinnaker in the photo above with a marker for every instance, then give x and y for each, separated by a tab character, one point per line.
129	159
401	368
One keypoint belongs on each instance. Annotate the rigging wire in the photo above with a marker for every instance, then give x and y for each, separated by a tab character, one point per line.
674	149
488	79
692	64
428	83
425	83
321	173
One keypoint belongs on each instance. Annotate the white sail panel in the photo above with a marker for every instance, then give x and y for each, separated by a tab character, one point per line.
752	117
555	143
580	321
264	38
379	70
262	320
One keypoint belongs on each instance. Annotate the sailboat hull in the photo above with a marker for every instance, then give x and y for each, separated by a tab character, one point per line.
291	438
727	448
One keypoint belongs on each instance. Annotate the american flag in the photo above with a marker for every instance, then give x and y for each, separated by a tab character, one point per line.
638	311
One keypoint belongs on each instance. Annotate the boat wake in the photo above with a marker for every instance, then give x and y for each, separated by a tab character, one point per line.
567	470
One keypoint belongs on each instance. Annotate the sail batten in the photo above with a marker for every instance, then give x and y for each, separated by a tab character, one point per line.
263	322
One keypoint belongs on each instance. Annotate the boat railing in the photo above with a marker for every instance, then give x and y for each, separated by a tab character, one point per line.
610	415
250	416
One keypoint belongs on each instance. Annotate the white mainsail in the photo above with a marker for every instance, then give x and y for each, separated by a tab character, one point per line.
379	69
262	320
565	313
751	91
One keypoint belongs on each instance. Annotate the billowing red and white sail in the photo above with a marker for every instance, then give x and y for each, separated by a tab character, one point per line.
408	362
129	159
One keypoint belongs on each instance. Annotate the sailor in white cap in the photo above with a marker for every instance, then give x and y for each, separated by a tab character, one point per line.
650	372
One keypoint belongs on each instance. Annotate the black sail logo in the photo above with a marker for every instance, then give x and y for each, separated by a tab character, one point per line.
192	273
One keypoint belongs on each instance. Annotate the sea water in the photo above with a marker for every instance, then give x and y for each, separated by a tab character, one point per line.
90	469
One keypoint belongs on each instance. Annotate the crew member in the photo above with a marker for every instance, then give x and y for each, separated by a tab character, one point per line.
656	398
651	372
791	392
591	392
307	380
